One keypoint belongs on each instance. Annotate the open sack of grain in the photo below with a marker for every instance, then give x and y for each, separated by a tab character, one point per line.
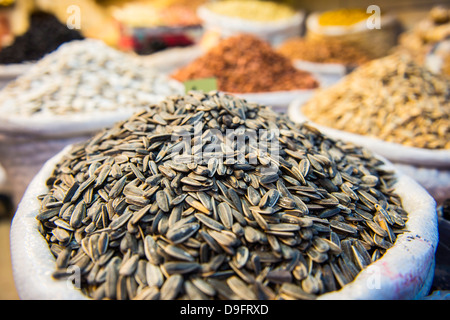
66	97
170	204
375	32
397	109
248	67
271	21
328	60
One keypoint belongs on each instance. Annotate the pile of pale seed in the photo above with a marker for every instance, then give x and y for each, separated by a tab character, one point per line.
81	77
168	205
392	99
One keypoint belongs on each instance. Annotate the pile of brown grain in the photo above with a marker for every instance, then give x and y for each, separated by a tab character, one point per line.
321	51
244	64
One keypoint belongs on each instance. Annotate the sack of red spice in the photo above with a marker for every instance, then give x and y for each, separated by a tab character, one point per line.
249	67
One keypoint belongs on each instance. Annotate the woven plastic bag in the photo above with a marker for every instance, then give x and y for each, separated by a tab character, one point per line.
404	272
431	168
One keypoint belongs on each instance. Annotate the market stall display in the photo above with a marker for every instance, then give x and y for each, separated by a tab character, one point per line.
245	64
271	21
224	149
395	107
67	96
140	220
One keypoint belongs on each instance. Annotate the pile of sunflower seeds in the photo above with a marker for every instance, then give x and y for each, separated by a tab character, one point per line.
169	204
82	77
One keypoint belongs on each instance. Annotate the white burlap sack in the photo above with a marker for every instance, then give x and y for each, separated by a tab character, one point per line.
274	32
404	272
431	168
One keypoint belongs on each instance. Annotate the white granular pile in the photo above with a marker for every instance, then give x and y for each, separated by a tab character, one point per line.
82	77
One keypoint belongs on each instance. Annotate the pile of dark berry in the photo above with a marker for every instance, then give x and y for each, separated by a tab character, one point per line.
45	34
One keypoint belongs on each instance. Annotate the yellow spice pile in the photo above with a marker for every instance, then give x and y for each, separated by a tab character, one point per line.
342	17
252	10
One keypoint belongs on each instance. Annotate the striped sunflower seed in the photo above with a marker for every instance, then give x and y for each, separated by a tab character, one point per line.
143	219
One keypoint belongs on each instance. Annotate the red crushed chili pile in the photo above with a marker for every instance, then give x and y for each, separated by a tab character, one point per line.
247	64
